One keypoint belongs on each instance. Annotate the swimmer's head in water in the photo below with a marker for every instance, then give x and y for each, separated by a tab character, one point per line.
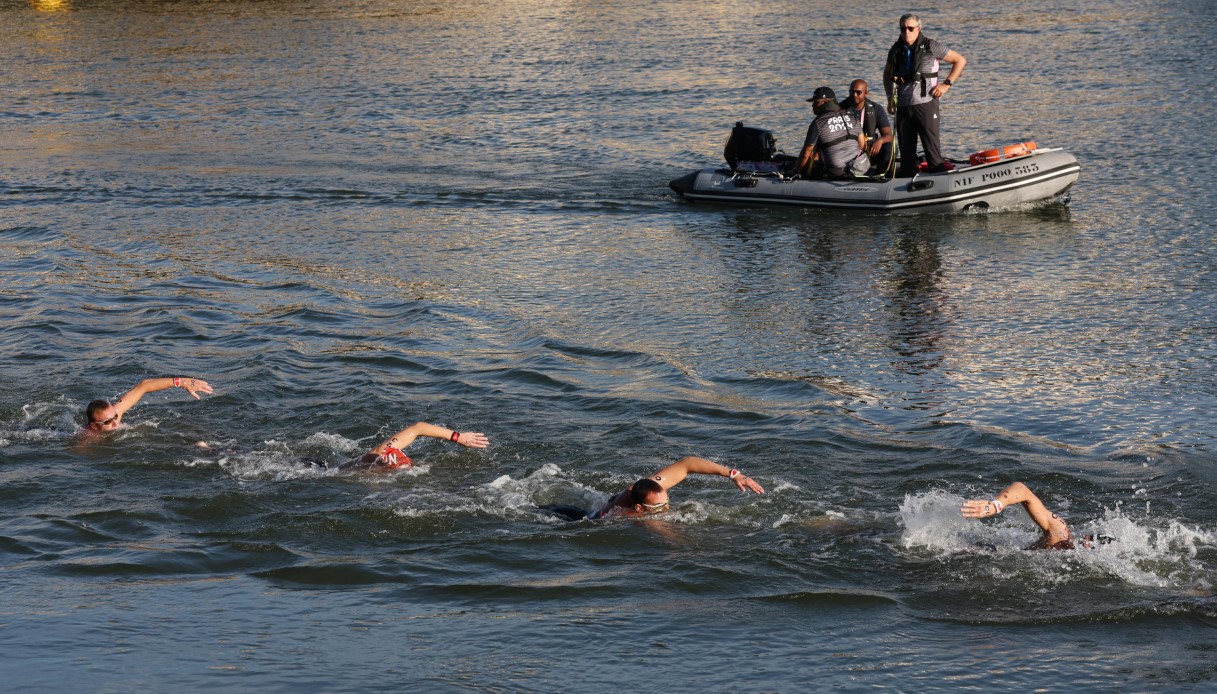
648	496
100	415
389	458
1090	540
393	458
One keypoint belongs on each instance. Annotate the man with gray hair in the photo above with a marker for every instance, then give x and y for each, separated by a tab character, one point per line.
913	63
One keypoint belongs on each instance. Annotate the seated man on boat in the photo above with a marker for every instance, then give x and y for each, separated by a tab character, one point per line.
1056	533
650	494
102	416
836	137
875	124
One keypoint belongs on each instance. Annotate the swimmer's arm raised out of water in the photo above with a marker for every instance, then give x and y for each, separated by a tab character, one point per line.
194	386
675	473
405	437
102	416
1055	529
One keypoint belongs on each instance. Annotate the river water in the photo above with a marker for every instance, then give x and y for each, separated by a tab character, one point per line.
352	215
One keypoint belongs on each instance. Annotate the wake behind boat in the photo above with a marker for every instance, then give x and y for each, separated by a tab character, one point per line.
995	179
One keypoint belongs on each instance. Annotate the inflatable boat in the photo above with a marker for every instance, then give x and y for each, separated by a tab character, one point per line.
1004	177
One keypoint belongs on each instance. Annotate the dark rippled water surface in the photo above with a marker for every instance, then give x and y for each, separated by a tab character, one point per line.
349	216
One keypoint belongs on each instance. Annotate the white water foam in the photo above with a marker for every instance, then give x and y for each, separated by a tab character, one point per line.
318	455
1145	552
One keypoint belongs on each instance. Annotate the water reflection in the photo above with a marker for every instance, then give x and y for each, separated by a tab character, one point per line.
915	301
898	307
51	5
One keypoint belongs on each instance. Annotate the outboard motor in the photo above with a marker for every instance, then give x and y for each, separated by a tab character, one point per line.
749	144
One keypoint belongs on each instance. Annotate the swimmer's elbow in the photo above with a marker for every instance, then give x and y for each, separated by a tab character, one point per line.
1015	493
414	429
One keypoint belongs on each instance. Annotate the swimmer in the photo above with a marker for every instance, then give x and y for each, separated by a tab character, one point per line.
1056	532
388	455
102	416
650	494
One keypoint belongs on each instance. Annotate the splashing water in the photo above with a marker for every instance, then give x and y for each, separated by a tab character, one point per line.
1147	552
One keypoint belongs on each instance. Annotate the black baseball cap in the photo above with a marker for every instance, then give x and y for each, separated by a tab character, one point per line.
823	93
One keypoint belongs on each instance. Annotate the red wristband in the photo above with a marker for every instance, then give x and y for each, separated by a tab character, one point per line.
456	436
733	474
177	382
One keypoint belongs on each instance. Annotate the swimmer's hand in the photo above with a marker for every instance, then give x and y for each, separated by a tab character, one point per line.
194	386
746	483
979	508
473	439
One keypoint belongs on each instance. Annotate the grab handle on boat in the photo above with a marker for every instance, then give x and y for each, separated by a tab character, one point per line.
921	185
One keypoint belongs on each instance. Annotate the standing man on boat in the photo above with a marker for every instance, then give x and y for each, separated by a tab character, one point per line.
874	123
913	63
836	136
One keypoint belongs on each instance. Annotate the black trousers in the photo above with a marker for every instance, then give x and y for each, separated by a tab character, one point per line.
918	122
882	161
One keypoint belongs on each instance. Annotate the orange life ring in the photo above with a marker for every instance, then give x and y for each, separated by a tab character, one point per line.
989	156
